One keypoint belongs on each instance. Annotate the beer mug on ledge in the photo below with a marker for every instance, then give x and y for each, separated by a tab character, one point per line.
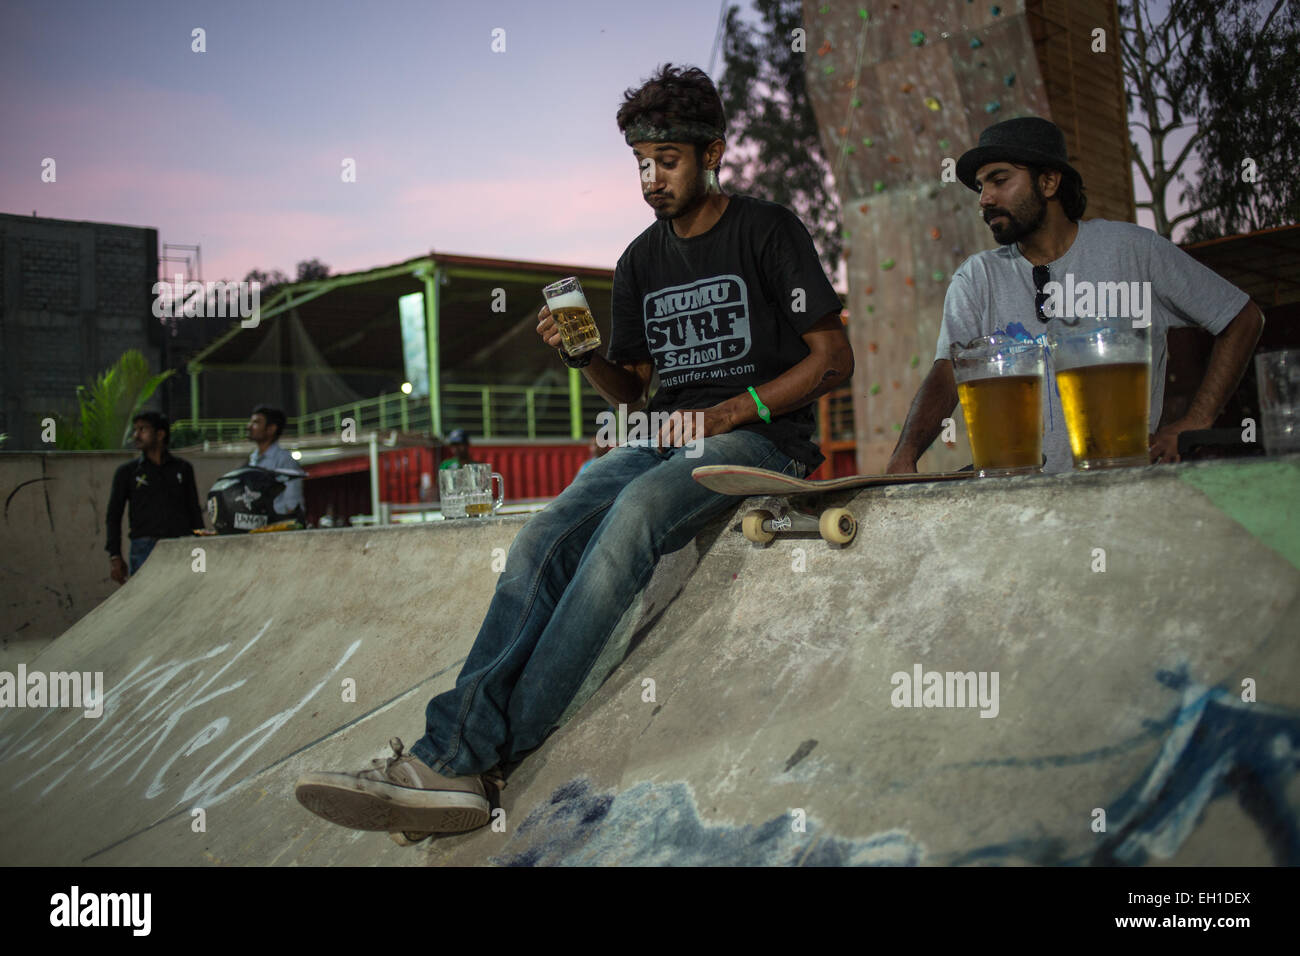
1103	372
479	502
1000	386
568	305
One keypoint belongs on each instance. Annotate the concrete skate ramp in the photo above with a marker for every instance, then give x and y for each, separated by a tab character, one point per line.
754	720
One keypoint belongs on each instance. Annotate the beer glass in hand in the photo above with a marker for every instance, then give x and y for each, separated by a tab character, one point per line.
568	305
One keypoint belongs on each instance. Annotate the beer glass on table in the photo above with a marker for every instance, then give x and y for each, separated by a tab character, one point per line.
1000	386
568	305
1103	372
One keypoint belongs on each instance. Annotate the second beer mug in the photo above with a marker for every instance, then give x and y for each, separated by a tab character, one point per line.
569	308
1000	386
1103	371
479	502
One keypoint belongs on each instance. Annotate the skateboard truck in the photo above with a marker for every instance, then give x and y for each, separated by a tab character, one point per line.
836	526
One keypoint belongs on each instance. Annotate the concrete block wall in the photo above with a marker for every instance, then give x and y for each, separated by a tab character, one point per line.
73	297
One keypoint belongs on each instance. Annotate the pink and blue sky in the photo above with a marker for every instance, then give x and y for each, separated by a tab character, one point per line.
240	149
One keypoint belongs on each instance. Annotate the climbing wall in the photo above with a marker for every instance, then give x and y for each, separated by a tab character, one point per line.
898	89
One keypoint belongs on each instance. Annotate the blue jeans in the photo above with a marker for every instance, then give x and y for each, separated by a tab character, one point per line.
140	549
572	572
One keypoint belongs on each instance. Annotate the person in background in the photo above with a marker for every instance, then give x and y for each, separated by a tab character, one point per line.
265	426
458	446
160	488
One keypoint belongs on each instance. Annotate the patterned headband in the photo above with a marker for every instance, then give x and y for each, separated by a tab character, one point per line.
684	132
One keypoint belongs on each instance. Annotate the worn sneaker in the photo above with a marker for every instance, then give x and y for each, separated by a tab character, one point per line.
401	795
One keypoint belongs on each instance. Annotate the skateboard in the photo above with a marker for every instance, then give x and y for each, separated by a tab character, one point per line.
836	526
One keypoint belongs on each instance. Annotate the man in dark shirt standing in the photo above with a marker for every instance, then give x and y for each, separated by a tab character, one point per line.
160	487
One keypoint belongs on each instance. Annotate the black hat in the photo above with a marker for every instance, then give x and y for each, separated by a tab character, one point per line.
458	437
1029	139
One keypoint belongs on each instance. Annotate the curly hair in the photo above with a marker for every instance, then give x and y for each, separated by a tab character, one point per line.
673	97
1070	191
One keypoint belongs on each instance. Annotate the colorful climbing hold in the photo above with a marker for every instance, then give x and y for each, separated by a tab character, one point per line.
992	106
906	88
874	390
887	264
897	427
916	360
897	384
855	102
909	281
944	144
863	14
1009	79
849	149
976	43
932	103
872	347
878	186
918	37
824	8
829	70
824	48
863	208
870	289
868	141
938	275
870	309
894	159
996	11
846	235
935	233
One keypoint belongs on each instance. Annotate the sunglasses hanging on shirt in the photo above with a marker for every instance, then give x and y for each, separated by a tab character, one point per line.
1041	278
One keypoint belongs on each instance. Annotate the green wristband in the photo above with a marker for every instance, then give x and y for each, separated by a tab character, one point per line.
763	411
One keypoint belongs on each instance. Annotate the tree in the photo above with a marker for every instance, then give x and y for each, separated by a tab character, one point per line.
1220	72
107	408
774	148
308	270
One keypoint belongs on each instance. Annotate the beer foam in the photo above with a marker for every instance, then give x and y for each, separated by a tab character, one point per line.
570	300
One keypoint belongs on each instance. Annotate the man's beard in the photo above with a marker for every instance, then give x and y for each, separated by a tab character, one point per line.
688	202
1022	221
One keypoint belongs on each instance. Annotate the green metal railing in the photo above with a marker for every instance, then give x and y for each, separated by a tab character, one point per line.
486	411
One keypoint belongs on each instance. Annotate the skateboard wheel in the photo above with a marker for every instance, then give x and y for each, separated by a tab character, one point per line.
837	525
752	527
407	838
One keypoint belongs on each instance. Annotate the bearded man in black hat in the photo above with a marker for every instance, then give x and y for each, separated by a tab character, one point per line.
725	299
1032	199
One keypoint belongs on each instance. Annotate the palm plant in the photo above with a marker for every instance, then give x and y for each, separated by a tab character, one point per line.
108	406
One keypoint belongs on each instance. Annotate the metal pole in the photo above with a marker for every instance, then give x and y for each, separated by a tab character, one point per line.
432	282
575	403
374	478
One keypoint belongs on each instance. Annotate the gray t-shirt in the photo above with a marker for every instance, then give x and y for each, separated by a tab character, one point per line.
279	459
993	291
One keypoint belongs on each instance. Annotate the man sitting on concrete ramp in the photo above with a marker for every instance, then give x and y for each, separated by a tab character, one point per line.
724	297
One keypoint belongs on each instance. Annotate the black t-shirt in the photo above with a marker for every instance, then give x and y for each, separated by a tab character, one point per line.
722	311
164	500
